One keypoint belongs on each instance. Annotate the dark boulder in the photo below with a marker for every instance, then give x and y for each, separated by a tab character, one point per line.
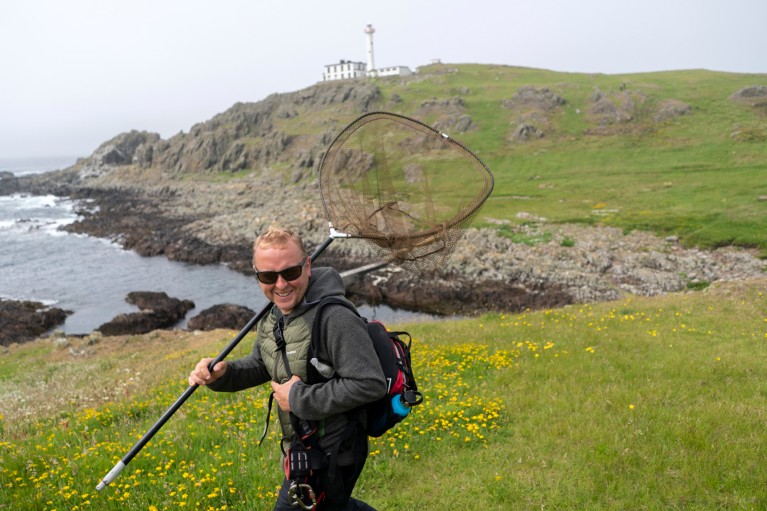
9	184
525	132
158	310
225	315
22	321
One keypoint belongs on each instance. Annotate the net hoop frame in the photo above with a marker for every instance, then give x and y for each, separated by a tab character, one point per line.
347	132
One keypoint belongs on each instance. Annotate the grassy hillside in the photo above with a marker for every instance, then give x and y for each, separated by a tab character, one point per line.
699	171
645	403
676	153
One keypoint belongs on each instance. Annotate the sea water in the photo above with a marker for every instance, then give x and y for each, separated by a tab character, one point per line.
91	277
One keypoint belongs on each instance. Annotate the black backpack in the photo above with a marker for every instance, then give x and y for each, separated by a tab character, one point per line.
304	456
394	354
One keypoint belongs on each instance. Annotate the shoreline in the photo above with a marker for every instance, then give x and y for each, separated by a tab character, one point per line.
215	223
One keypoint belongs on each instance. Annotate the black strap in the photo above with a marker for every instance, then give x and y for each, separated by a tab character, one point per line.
305	438
302	428
279	339
268	416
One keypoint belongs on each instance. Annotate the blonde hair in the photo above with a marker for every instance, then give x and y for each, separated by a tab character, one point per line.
276	236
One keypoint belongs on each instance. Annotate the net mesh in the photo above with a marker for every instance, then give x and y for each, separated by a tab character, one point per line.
404	187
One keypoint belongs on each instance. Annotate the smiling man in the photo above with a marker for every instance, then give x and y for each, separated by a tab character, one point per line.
329	409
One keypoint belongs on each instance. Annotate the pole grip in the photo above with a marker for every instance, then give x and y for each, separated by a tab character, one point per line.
111	475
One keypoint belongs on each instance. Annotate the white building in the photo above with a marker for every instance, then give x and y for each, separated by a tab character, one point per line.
391	71
347	69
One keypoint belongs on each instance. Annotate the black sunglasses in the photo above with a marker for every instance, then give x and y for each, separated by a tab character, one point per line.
292	273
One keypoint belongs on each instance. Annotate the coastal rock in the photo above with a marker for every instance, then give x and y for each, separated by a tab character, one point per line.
226	315
158	310
449	294
9	184
124	149
22	321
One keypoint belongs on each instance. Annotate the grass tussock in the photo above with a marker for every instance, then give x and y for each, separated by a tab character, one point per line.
644	403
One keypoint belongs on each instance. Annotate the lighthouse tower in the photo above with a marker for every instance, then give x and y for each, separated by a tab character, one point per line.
369	31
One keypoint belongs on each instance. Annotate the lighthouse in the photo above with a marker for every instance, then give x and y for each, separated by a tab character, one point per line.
369	31
348	69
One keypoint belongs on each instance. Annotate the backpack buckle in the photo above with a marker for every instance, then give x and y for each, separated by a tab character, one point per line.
299	494
412	397
299	465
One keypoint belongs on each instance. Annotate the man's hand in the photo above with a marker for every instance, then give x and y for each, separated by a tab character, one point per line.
200	374
282	392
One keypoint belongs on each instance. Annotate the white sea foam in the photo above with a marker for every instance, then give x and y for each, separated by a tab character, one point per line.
25	214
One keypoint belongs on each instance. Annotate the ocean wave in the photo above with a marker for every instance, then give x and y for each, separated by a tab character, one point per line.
21	213
22	298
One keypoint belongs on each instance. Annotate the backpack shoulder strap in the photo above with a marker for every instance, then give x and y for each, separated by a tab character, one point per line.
312	374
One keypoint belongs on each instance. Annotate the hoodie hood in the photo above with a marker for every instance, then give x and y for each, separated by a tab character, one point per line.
325	281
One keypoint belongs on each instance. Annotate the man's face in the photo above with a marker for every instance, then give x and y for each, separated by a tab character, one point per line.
285	294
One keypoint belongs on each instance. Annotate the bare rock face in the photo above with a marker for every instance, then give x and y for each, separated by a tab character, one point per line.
8	183
532	108
24	320
529	97
226	315
158	310
749	93
525	132
124	149
671	108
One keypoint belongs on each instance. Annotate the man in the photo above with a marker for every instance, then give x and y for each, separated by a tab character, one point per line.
285	275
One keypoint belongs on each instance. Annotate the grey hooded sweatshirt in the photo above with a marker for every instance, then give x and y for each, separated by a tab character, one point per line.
345	347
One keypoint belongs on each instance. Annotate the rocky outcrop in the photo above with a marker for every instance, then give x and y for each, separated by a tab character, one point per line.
750	93
617	107
525	132
9	184
589	264
226	315
124	149
449	115
158	310
755	97
669	109
533	98
246	136
25	320
532	108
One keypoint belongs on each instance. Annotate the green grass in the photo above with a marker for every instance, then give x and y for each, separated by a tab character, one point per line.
698	176
643	403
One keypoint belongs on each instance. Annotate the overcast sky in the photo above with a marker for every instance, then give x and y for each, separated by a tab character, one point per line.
74	73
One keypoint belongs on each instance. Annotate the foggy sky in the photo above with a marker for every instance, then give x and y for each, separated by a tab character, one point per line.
75	73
